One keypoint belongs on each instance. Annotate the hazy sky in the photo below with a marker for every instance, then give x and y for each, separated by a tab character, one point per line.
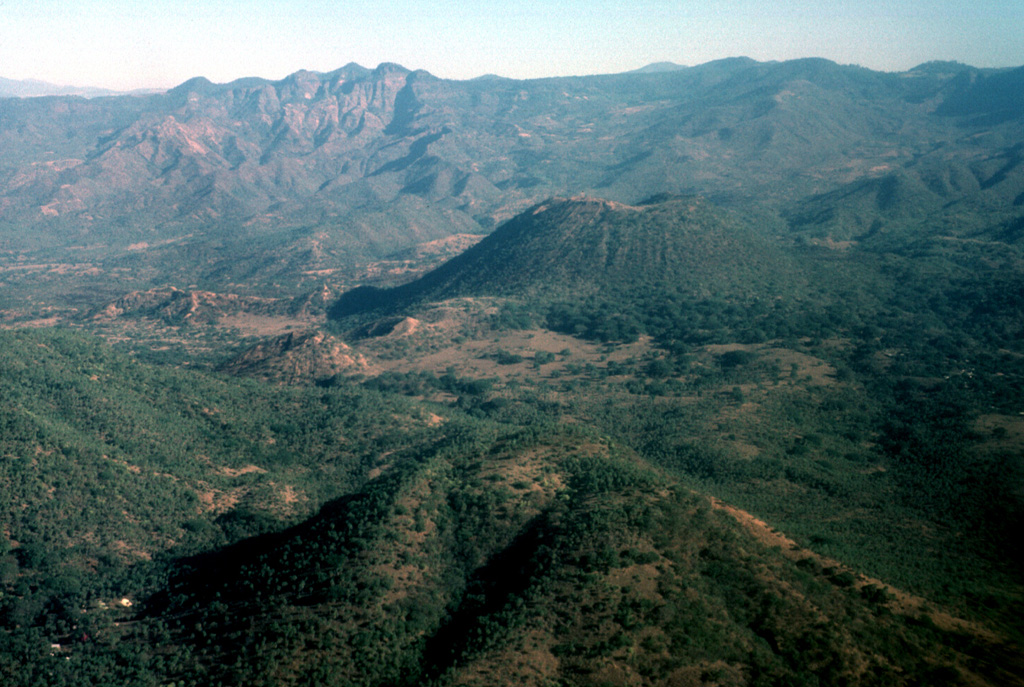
126	44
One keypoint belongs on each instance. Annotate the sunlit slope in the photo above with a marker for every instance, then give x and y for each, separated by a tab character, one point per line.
107	461
530	559
259	181
591	251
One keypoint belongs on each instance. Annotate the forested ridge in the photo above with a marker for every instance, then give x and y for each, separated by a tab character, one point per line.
254	525
253	547
478	504
729	393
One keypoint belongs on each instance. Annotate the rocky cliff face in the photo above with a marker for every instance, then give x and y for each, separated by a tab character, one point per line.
203	152
359	163
298	357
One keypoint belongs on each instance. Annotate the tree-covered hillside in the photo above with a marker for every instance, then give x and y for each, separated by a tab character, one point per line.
914	422
698	376
109	463
340	535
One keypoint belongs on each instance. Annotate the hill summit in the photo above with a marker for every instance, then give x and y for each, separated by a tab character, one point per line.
296	356
583	247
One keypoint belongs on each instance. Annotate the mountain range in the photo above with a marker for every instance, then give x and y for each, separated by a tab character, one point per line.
319	170
33	88
689	375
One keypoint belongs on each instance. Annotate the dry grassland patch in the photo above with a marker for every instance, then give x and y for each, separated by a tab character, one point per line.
535	467
816	369
129	551
641	579
238	472
378	471
1002	432
248	324
33	324
288	495
213	500
477	357
526	662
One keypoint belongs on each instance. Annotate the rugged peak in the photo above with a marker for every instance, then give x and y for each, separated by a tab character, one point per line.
297	357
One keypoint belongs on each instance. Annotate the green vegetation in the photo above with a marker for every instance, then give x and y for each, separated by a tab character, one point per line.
875	458
108	463
767	435
490	541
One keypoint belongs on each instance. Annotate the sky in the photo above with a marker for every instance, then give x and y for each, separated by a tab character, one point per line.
129	44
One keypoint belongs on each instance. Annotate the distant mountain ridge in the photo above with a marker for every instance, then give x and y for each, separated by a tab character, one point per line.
795	287
656	67
257	180
33	88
